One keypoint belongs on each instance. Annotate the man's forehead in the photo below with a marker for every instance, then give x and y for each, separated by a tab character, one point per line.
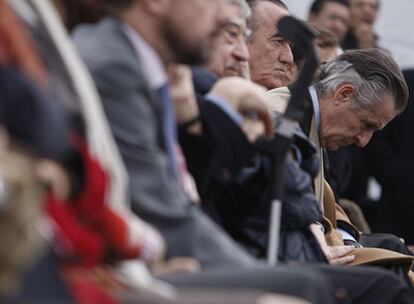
381	113
268	10
269	14
232	13
334	6
372	2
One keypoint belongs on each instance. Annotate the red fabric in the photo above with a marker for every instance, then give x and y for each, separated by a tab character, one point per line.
87	231
95	285
90	204
91	207
86	247
88	224
116	231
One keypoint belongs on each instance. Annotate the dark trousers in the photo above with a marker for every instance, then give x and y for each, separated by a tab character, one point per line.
385	241
310	285
315	283
367	284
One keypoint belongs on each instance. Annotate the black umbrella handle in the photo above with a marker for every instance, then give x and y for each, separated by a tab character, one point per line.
303	42
302	38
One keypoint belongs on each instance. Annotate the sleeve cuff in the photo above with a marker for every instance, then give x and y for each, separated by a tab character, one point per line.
228	109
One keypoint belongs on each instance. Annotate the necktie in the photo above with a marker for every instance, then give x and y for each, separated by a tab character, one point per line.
169	127
175	156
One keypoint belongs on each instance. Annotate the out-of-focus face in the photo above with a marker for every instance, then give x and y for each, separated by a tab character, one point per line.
271	58
188	27
364	11
327	54
342	124
334	17
230	53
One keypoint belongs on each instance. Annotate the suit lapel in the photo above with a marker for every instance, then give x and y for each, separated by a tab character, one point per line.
309	127
152	96
319	179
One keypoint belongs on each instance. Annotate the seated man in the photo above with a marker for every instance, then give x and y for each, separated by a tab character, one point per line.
130	74
347	110
88	236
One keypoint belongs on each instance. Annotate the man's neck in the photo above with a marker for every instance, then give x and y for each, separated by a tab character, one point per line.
149	28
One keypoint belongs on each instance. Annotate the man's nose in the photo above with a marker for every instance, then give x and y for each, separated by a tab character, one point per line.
363	139
286	55
241	52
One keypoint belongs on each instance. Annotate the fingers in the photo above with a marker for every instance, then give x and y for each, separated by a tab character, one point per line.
177	265
342	261
176	72
340	255
265	115
246	98
261	110
340	251
182	93
253	129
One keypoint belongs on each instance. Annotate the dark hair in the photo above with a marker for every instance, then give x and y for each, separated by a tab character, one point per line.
317	5
253	21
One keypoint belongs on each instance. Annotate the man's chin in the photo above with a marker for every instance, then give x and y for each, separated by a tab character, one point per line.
333	146
232	74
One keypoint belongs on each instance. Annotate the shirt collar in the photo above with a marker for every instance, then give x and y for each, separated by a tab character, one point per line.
152	65
315	104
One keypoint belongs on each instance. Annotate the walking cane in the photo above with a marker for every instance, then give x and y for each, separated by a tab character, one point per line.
302	38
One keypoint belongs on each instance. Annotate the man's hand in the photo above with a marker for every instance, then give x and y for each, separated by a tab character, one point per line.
336	255
252	129
183	96
176	265
340	255
249	100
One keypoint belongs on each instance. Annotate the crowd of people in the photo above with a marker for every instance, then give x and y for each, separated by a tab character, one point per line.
137	154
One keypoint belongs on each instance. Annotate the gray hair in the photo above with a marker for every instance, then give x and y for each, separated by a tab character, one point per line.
254	21
245	10
373	73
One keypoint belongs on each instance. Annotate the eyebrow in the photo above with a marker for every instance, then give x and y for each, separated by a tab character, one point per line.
247	32
375	124
278	35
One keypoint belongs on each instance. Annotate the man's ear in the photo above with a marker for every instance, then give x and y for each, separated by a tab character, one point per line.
345	93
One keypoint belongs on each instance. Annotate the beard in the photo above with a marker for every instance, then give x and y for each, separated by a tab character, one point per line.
185	50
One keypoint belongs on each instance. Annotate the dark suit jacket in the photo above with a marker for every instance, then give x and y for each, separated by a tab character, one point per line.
390	159
236	180
134	116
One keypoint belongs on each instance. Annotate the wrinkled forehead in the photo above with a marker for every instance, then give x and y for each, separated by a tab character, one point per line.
231	13
268	14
